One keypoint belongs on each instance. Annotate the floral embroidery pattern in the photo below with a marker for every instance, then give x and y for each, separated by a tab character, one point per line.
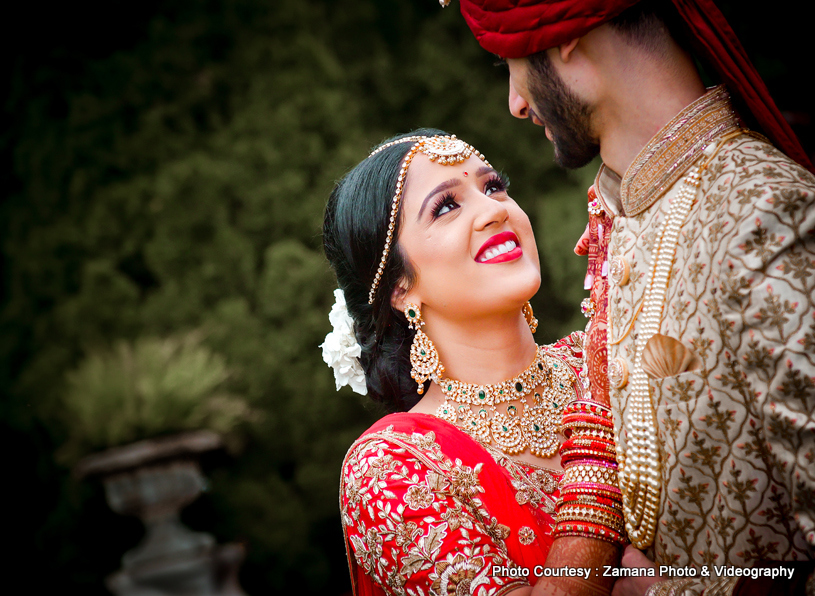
457	575
738	483
416	522
526	535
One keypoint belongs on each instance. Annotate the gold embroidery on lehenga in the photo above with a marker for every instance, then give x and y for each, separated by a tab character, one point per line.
526	535
403	499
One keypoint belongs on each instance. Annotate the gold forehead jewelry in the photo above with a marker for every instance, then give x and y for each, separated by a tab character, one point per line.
443	150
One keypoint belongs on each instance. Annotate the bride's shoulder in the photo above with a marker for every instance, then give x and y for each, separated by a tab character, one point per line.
574	343
396	433
569	349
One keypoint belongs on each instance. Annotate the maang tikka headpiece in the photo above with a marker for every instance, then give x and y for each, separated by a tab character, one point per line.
444	150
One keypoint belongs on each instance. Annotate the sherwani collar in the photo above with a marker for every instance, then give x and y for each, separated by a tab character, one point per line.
669	154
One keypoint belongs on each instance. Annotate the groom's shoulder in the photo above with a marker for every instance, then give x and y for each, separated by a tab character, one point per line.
751	161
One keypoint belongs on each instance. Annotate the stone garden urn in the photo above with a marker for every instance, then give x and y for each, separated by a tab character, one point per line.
154	480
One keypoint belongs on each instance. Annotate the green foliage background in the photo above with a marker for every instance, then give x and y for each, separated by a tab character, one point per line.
169	165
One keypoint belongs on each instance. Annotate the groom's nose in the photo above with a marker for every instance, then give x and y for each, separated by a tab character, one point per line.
518	106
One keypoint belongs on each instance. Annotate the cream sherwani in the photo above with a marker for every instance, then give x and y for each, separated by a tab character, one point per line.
736	436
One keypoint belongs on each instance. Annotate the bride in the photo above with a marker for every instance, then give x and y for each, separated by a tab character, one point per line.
464	489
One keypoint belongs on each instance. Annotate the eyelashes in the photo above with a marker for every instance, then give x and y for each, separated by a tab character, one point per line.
446	202
498	182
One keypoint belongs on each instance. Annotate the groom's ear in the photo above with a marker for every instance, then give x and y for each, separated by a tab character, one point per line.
565	50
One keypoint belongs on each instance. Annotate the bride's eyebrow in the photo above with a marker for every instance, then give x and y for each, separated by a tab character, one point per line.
441	187
449	184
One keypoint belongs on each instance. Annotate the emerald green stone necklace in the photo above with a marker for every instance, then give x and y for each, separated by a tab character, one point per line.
474	408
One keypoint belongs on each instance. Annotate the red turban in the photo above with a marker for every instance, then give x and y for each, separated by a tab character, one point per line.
518	28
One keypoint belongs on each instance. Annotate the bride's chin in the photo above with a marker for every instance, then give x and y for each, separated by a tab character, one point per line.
509	302
525	286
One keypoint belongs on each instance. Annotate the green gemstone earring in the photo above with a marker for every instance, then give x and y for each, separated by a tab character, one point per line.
424	359
413	316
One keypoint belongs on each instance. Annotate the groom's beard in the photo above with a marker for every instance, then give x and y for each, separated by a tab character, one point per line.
566	116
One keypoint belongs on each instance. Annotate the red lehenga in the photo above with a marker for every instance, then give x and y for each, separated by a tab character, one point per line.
428	510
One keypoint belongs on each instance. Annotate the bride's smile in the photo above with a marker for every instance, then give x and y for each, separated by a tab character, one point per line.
471	245
500	248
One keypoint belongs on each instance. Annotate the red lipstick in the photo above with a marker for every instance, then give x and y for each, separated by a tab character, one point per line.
500	248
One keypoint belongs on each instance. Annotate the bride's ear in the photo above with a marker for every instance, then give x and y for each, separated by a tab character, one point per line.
401	296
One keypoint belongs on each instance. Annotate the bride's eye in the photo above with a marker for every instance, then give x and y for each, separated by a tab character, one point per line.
496	183
444	204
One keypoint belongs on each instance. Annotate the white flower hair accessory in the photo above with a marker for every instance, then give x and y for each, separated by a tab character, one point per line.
341	350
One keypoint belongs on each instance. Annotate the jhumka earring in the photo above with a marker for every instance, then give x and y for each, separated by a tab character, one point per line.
424	359
530	317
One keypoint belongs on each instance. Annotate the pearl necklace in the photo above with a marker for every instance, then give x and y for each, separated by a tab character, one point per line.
640	467
639	462
473	407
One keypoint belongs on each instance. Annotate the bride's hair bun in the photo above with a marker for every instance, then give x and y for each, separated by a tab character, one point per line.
354	232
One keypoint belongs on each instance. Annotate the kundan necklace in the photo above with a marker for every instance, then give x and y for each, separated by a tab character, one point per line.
532	424
475	408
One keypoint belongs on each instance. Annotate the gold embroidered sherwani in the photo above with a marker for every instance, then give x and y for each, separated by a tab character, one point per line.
737	435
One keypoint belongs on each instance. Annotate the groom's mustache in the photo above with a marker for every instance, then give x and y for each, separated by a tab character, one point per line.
533	116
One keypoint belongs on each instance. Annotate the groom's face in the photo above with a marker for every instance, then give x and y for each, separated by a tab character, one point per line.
538	92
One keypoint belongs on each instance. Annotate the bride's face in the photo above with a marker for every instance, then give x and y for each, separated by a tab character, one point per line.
470	244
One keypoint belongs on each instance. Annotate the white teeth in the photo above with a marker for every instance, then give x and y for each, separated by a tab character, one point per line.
501	249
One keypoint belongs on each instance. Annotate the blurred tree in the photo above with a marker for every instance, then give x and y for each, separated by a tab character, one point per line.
169	164
146	389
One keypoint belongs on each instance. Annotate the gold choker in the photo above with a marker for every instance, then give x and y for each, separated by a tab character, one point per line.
474	407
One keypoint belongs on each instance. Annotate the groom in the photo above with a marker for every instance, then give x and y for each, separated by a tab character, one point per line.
701	244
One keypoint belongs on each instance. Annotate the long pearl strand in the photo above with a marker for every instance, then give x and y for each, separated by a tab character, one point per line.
641	465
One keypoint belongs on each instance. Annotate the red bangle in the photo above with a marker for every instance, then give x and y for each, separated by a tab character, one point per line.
589	530
589	407
591	462
589	489
590	418
587	454
579	441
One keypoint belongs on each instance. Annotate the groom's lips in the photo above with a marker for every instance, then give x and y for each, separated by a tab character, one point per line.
535	118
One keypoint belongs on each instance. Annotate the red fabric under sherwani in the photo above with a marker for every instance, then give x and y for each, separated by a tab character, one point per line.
597	280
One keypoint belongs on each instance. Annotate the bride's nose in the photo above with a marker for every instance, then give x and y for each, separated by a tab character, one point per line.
491	211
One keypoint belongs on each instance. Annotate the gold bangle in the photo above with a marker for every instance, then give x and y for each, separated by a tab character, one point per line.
587	473
587	515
